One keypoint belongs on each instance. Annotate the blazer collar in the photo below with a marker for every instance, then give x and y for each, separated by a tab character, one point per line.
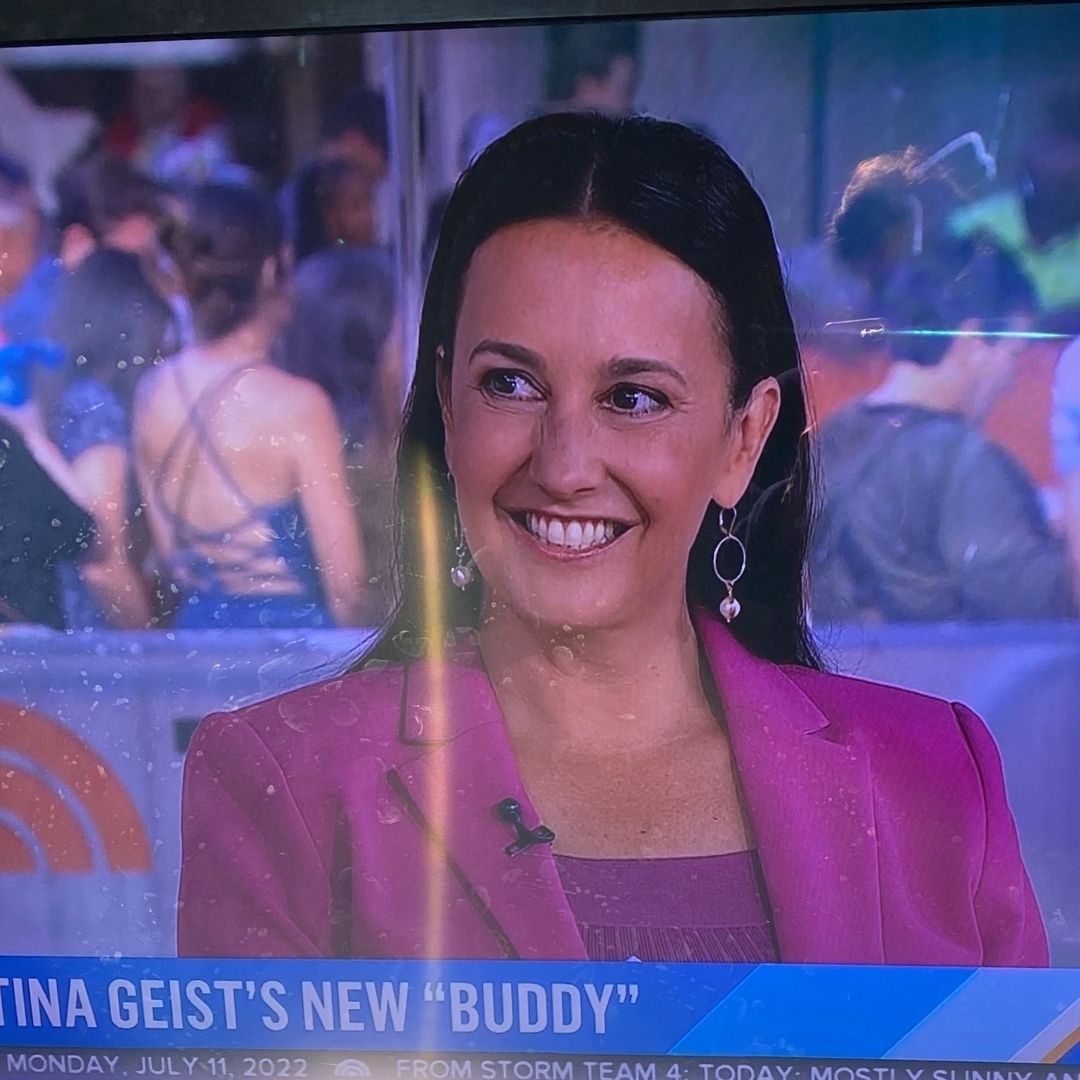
806	787
452	791
808	793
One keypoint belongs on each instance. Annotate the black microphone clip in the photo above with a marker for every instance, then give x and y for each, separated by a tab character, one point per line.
509	810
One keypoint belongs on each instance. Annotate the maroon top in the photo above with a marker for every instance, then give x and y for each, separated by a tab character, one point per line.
704	909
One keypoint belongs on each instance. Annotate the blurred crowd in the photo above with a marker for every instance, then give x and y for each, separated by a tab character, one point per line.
200	380
921	311
201	374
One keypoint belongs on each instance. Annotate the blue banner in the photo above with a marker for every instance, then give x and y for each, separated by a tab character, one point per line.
898	1014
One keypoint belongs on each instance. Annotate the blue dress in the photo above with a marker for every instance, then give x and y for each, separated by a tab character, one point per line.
203	561
87	415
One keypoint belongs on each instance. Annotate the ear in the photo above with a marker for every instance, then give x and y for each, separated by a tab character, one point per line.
76	243
750	429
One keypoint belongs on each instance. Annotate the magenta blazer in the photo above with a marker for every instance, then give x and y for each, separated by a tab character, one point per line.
356	817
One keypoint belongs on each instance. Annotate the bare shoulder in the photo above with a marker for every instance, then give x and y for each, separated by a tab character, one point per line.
148	388
290	395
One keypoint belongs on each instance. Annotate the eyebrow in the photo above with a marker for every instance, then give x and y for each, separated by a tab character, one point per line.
621	367
518	353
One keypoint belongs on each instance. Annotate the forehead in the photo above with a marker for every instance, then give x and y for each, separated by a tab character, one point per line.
564	286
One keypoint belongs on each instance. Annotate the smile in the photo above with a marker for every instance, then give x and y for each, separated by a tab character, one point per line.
571	534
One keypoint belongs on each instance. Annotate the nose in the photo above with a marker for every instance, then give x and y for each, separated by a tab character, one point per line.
567	456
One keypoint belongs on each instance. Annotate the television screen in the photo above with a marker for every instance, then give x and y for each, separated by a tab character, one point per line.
543	550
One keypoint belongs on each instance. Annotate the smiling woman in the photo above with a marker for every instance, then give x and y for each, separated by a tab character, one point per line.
605	453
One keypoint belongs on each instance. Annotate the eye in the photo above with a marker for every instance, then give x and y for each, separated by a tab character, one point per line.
636	400
509	384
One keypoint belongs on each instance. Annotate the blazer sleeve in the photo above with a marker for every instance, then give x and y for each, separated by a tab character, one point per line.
1011	927
252	883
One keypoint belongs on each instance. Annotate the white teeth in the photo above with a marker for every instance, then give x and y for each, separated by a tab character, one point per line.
575	534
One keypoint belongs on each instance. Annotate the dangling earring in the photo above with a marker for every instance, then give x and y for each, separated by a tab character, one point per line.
729	606
461	574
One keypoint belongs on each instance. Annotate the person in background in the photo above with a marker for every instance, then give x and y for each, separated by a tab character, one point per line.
242	464
881	220
20	228
354	131
1065	430
166	130
43	505
342	335
592	67
106	202
43	519
335	207
102	202
923	518
1038	221
113	326
481	129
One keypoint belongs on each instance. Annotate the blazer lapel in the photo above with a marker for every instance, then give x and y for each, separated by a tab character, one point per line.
452	791
807	789
809	797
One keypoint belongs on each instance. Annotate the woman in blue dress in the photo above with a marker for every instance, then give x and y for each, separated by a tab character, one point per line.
113	326
241	463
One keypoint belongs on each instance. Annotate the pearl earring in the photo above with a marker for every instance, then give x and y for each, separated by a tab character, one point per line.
729	606
461	574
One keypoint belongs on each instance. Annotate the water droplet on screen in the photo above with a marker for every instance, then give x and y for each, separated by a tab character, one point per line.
562	657
405	641
388	810
346	712
273	674
296	714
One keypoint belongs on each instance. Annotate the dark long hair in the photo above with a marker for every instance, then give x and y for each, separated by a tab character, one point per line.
343	305
228	233
111	321
679	190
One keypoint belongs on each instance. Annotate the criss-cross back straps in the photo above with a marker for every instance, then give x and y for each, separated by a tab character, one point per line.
196	430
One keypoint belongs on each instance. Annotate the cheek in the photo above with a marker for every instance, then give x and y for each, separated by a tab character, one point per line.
673	473
484	446
675	492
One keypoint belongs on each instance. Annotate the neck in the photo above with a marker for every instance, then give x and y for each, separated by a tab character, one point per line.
249	342
925	387
639	685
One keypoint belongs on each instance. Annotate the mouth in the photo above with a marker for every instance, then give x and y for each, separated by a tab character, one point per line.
569	536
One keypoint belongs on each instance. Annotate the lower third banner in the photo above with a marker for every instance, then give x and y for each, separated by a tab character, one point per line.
60	1010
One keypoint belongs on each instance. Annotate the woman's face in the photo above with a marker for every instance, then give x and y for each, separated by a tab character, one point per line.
588	422
350	214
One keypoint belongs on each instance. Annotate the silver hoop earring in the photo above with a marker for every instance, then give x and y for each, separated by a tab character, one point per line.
461	574
729	606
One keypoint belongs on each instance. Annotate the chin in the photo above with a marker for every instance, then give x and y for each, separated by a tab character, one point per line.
561	609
